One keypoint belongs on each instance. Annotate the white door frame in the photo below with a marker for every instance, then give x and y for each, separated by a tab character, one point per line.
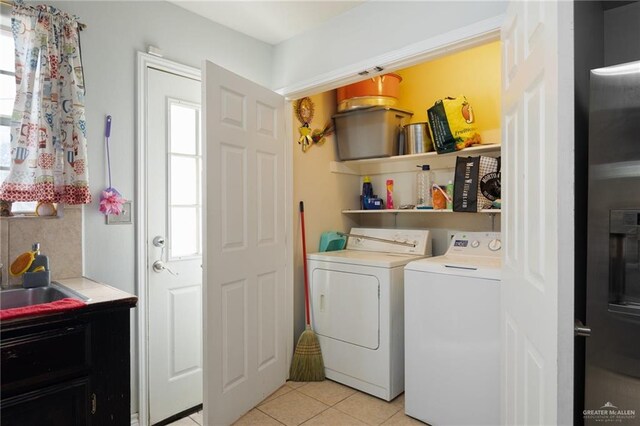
144	62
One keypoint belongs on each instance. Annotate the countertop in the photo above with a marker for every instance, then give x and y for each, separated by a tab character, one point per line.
97	292
102	297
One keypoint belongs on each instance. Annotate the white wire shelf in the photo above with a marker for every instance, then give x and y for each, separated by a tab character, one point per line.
401	163
418	211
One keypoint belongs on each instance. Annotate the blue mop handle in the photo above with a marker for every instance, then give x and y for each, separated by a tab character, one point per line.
107	134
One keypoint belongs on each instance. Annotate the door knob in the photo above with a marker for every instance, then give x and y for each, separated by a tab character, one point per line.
159	266
159	241
581	330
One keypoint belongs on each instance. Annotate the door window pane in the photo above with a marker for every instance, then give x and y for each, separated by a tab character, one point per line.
184	180
184	129
7	53
5	146
185	225
7	94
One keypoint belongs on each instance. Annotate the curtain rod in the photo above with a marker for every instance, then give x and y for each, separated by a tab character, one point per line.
9	3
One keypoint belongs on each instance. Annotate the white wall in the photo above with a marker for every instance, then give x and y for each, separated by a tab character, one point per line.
370	30
115	32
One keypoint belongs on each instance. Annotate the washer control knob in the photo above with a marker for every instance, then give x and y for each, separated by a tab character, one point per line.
495	245
475	243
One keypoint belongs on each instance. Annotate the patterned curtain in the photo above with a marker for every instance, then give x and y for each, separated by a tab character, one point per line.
48	133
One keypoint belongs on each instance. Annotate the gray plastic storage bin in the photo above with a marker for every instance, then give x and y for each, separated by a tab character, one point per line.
369	133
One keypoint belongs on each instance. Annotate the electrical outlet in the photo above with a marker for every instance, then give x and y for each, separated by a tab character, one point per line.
124	218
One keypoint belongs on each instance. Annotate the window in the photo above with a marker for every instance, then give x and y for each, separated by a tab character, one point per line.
7	94
185	180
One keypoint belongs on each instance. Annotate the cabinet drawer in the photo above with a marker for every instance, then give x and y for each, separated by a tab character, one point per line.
45	356
64	404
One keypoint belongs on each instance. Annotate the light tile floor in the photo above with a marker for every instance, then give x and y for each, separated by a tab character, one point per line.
320	404
192	420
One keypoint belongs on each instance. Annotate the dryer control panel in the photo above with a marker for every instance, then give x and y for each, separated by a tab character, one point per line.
486	244
400	241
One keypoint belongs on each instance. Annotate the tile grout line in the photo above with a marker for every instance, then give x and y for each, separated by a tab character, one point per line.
295	390
277	397
269	415
355	392
330	406
310	418
358	392
395	412
267	400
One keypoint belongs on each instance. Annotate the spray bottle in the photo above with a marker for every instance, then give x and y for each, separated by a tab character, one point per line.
424	183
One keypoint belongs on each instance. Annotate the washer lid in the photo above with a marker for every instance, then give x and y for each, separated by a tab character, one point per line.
364	258
465	266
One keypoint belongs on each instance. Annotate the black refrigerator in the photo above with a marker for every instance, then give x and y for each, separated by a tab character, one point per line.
612	375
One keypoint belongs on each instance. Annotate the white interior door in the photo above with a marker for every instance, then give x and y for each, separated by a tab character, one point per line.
245	254
537	289
174	216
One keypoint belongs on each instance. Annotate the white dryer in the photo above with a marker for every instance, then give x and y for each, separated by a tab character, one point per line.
357	311
452	311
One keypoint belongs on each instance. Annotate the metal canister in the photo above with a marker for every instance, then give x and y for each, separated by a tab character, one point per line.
417	138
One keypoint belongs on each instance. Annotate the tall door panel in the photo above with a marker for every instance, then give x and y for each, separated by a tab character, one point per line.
537	289
244	323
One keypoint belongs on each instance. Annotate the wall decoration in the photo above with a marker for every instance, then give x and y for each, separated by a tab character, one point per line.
305	109
319	135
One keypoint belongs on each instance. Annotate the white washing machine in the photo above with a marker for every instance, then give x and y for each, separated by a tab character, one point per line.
357	307
452	343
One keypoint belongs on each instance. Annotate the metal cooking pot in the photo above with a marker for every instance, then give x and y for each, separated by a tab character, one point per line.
417	138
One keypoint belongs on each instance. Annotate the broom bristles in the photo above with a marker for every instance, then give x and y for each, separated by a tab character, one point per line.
307	364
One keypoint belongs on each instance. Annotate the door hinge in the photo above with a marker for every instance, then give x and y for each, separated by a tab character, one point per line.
94	403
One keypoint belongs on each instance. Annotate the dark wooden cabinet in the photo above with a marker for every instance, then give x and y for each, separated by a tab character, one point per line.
64	404
67	369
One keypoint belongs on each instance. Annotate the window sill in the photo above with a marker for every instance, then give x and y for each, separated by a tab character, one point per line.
62	208
20	216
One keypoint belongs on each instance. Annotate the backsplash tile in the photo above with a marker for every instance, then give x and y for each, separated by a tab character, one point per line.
59	238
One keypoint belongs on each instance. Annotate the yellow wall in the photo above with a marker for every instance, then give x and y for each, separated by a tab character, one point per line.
474	73
325	194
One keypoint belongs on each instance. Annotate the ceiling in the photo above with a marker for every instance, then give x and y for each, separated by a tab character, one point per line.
269	21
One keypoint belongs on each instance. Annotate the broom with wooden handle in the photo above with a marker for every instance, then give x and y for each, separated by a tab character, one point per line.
307	364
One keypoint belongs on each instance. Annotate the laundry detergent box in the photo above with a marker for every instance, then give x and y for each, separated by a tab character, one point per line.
452	124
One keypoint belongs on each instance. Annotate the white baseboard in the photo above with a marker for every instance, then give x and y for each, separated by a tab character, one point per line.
134	420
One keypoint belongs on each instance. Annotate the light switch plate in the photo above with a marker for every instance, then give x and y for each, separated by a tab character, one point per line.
124	218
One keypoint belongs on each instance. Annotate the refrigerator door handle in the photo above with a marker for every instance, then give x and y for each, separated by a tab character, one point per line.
580	329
